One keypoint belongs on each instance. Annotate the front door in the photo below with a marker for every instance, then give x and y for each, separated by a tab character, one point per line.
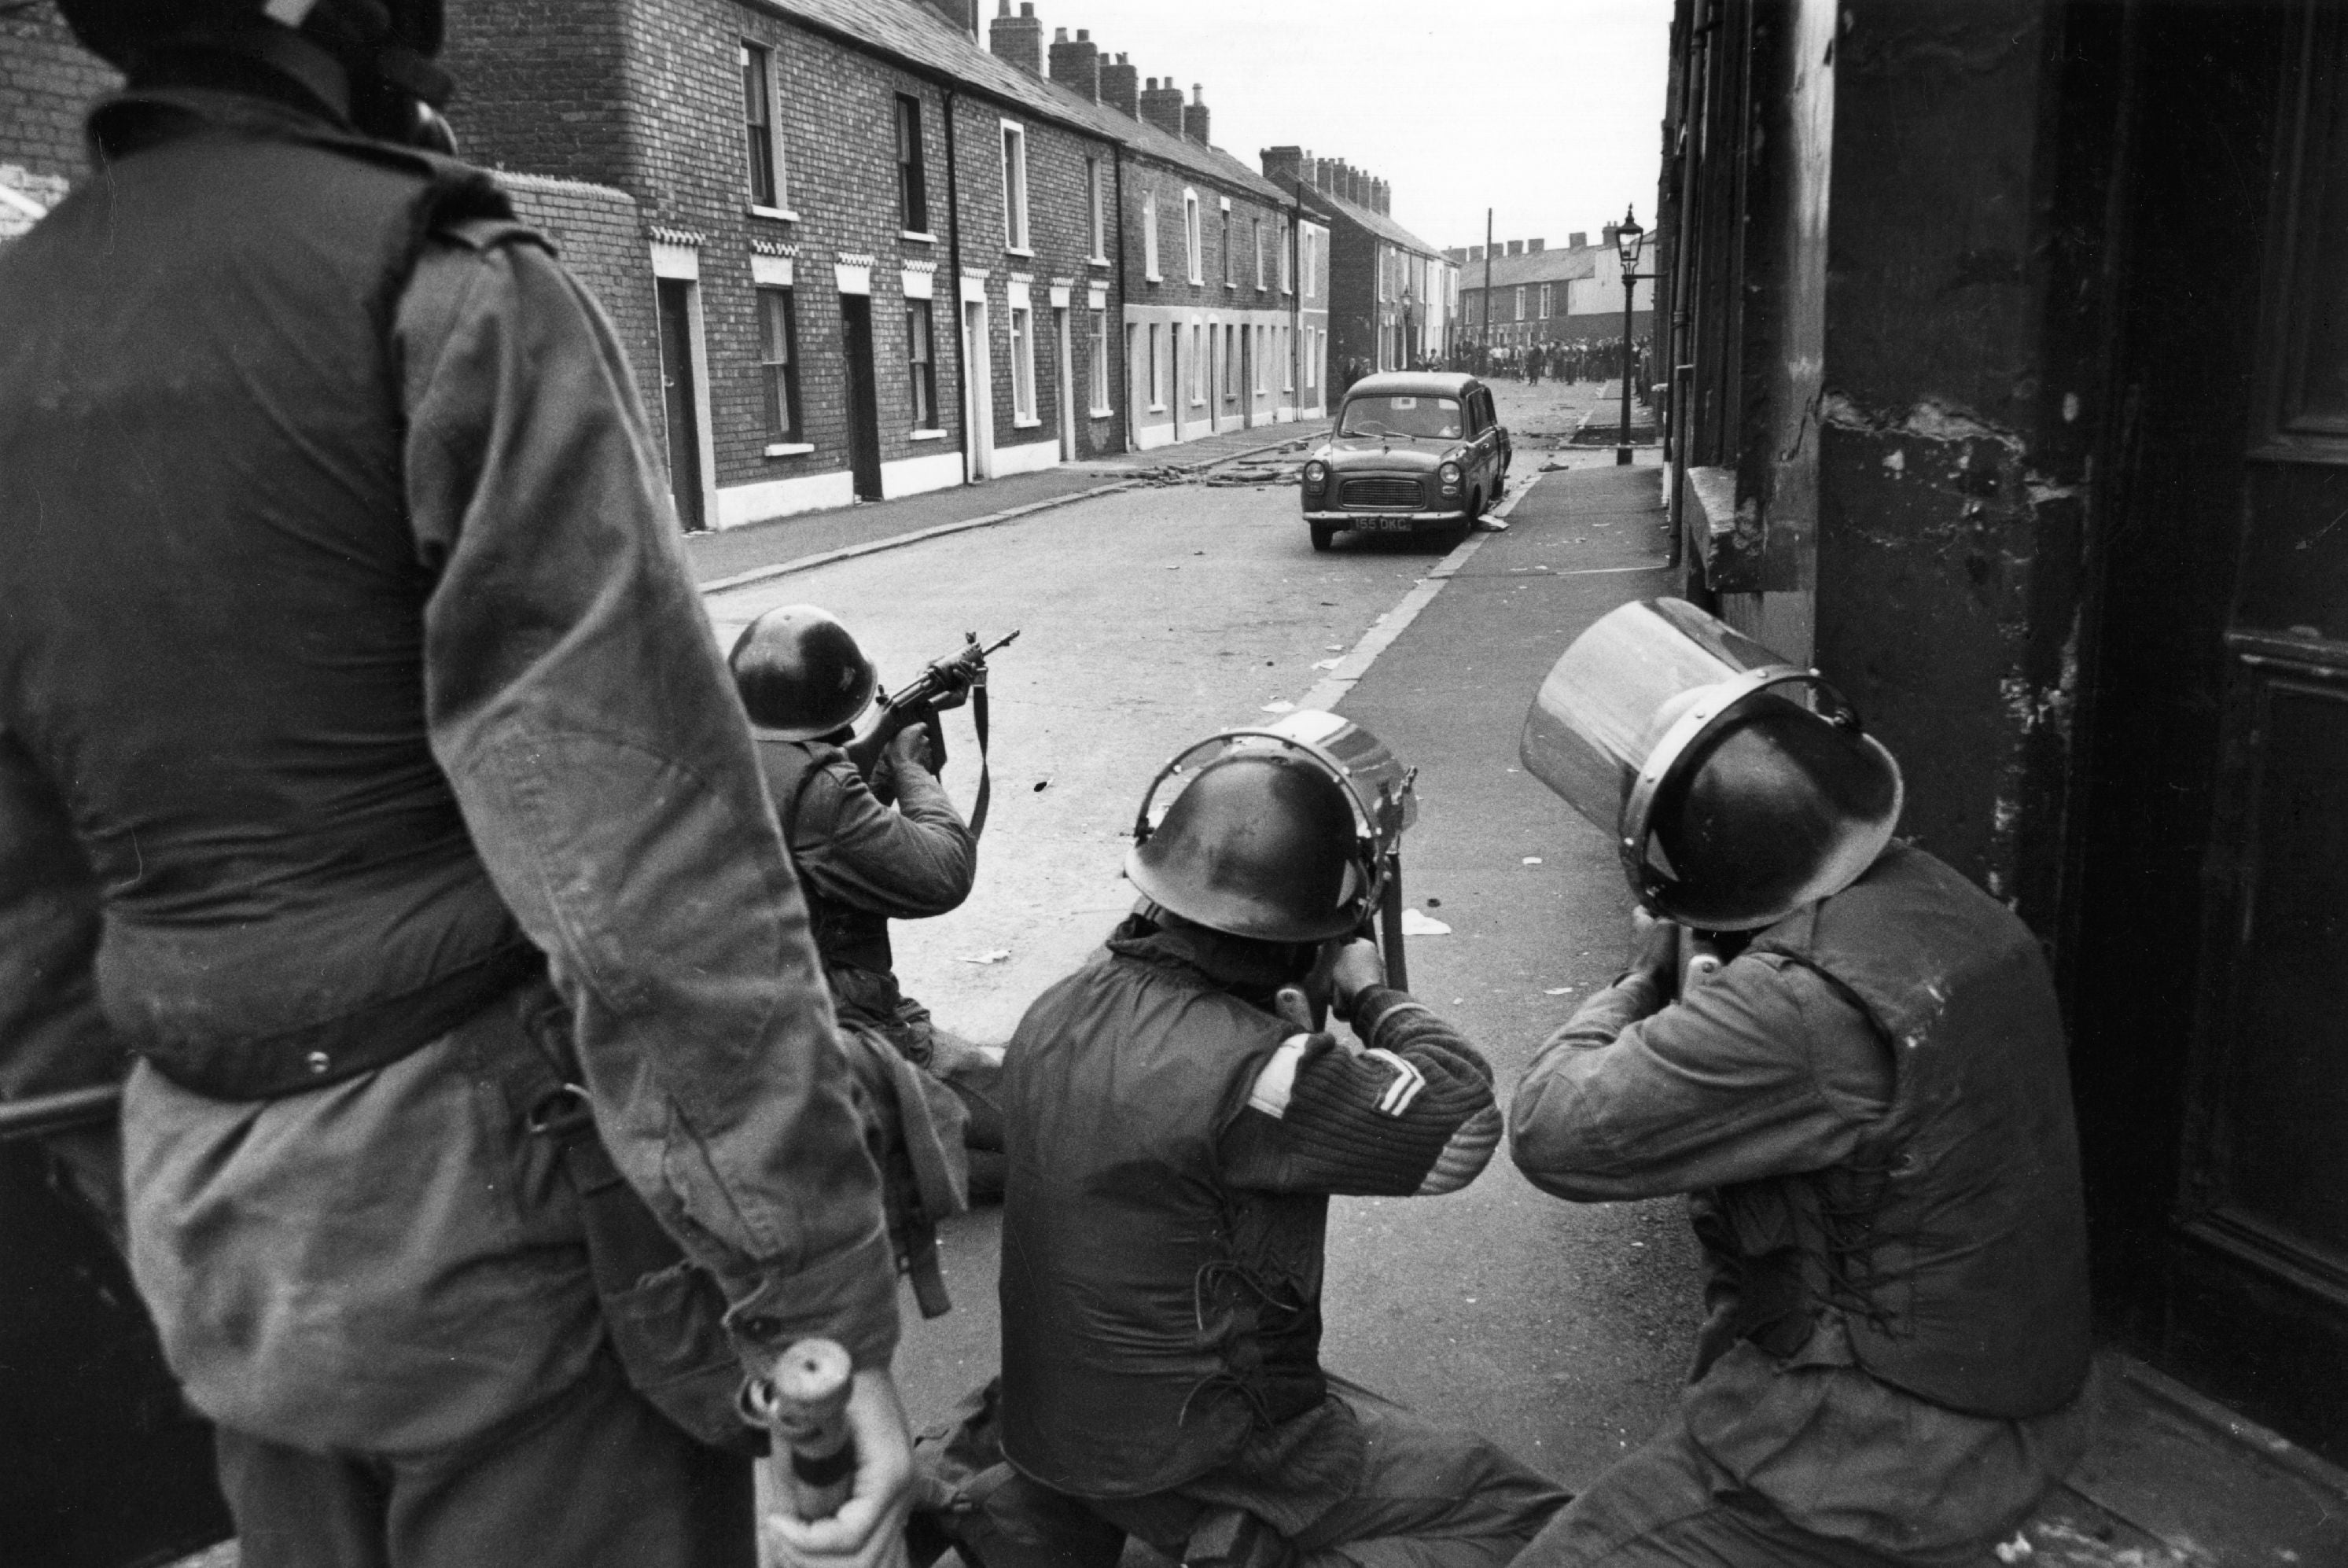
863	410
978	393
1067	389
678	401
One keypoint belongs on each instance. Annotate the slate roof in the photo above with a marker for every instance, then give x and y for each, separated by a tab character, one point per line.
919	36
1377	223
1558	267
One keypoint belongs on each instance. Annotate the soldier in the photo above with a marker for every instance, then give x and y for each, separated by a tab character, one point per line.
349	662
1174	1141
1871	1107
894	848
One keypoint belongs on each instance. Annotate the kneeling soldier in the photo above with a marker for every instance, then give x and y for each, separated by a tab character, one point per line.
1173	1141
862	862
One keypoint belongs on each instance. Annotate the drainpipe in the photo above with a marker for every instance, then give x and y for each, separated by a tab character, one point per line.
953	259
1124	301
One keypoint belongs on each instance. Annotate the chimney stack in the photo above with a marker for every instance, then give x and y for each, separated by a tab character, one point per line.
1077	66
1578	241
1194	115
1161	106
1606	235
1516	247
1534	247
1474	253
1284	166
961	15
1018	39
1380	193
1357	186
1120	87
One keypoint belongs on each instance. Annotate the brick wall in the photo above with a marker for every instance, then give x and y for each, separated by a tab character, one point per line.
540	85
47	83
1353	306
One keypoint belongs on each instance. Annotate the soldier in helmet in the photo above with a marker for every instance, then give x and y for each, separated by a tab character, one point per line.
1867	1103
867	852
386	801
1174	1141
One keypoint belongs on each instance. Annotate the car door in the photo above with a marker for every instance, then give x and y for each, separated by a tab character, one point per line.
1501	452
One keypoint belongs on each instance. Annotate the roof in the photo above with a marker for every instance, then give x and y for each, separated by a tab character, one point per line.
918	36
1377	223
1412	384
1565	264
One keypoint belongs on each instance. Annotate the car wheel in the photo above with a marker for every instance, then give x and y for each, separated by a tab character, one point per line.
1323	534
1475	510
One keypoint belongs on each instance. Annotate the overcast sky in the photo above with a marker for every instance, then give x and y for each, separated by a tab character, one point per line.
1546	110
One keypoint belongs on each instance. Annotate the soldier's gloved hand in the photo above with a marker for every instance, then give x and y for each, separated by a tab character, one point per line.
910	747
1655	952
869	1531
1353	968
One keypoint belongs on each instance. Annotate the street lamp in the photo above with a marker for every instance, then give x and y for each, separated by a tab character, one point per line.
1627	239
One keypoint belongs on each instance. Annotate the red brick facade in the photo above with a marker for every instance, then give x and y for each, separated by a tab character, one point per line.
47	85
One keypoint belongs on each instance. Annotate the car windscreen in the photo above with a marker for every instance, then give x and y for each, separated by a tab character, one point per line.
1426	419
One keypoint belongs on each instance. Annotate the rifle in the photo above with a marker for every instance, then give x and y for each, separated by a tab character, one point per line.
948	682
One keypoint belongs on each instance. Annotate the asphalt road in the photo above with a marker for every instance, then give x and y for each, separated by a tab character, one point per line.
1154	617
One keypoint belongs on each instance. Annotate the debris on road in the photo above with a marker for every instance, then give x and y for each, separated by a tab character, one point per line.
1417	923
997	956
1280	704
1533	860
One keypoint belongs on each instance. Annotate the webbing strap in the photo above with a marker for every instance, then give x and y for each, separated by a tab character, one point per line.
985	783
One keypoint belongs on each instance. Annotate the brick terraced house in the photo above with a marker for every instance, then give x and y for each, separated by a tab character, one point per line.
1540	296
1392	296
868	237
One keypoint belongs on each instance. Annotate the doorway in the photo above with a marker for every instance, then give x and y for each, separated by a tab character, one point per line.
1067	389
678	401
978	393
863	407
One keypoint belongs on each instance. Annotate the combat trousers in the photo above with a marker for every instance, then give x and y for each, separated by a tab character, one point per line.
592	1477
1429	1497
1665	1506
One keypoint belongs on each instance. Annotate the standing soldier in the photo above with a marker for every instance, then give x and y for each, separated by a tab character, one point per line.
866	852
346	639
1869	1103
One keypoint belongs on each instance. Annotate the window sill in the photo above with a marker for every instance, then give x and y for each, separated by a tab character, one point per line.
925	435
789	448
917	236
1019	424
1019	250
1101	262
780	214
1104	413
1157	407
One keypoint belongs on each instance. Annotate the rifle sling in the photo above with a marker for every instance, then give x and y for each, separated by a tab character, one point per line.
985	783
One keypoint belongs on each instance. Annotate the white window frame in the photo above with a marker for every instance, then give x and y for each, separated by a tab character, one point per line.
1520	302
1312	357
1016	234
1258	230
1262	351
1229	280
1198	364
1156	372
1287	276
773	128
1287	360
1150	237
1022	366
1100	361
1194	237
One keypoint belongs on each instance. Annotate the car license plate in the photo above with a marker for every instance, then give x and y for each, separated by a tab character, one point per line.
1382	524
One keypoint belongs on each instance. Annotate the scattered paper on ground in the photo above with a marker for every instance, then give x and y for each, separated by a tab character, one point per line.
1282	706
1417	923
1533	860
1559	991
997	956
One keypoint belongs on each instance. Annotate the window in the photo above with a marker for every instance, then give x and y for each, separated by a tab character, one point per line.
1022	365
778	363
1230	363
1259	254
1227	244
912	183
1093	233
1520	302
1197	359
1312	357
758	127
1100	362
1015	186
1308	249
1156	376
1544	302
1262	347
1287	360
1287	283
1192	238
920	365
1149	241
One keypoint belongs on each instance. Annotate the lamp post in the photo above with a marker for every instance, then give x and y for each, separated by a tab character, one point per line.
1627	239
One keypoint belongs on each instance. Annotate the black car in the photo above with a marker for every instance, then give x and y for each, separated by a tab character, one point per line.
1410	451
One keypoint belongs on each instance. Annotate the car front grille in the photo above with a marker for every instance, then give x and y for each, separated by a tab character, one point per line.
1388	491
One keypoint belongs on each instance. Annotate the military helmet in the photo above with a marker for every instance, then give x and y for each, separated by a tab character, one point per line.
801	673
117	30
1263	840
1737	787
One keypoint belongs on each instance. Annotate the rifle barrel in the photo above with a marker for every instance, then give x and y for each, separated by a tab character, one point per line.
45	1113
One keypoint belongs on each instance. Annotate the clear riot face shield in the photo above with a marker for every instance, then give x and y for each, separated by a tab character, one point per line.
1251	853
1737	787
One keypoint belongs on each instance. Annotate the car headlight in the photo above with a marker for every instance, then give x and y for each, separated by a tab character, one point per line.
1317	474
1450	476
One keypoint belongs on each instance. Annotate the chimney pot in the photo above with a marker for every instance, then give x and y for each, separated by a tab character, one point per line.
1026	8
1002	7
1084	34
1059	34
1198	93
